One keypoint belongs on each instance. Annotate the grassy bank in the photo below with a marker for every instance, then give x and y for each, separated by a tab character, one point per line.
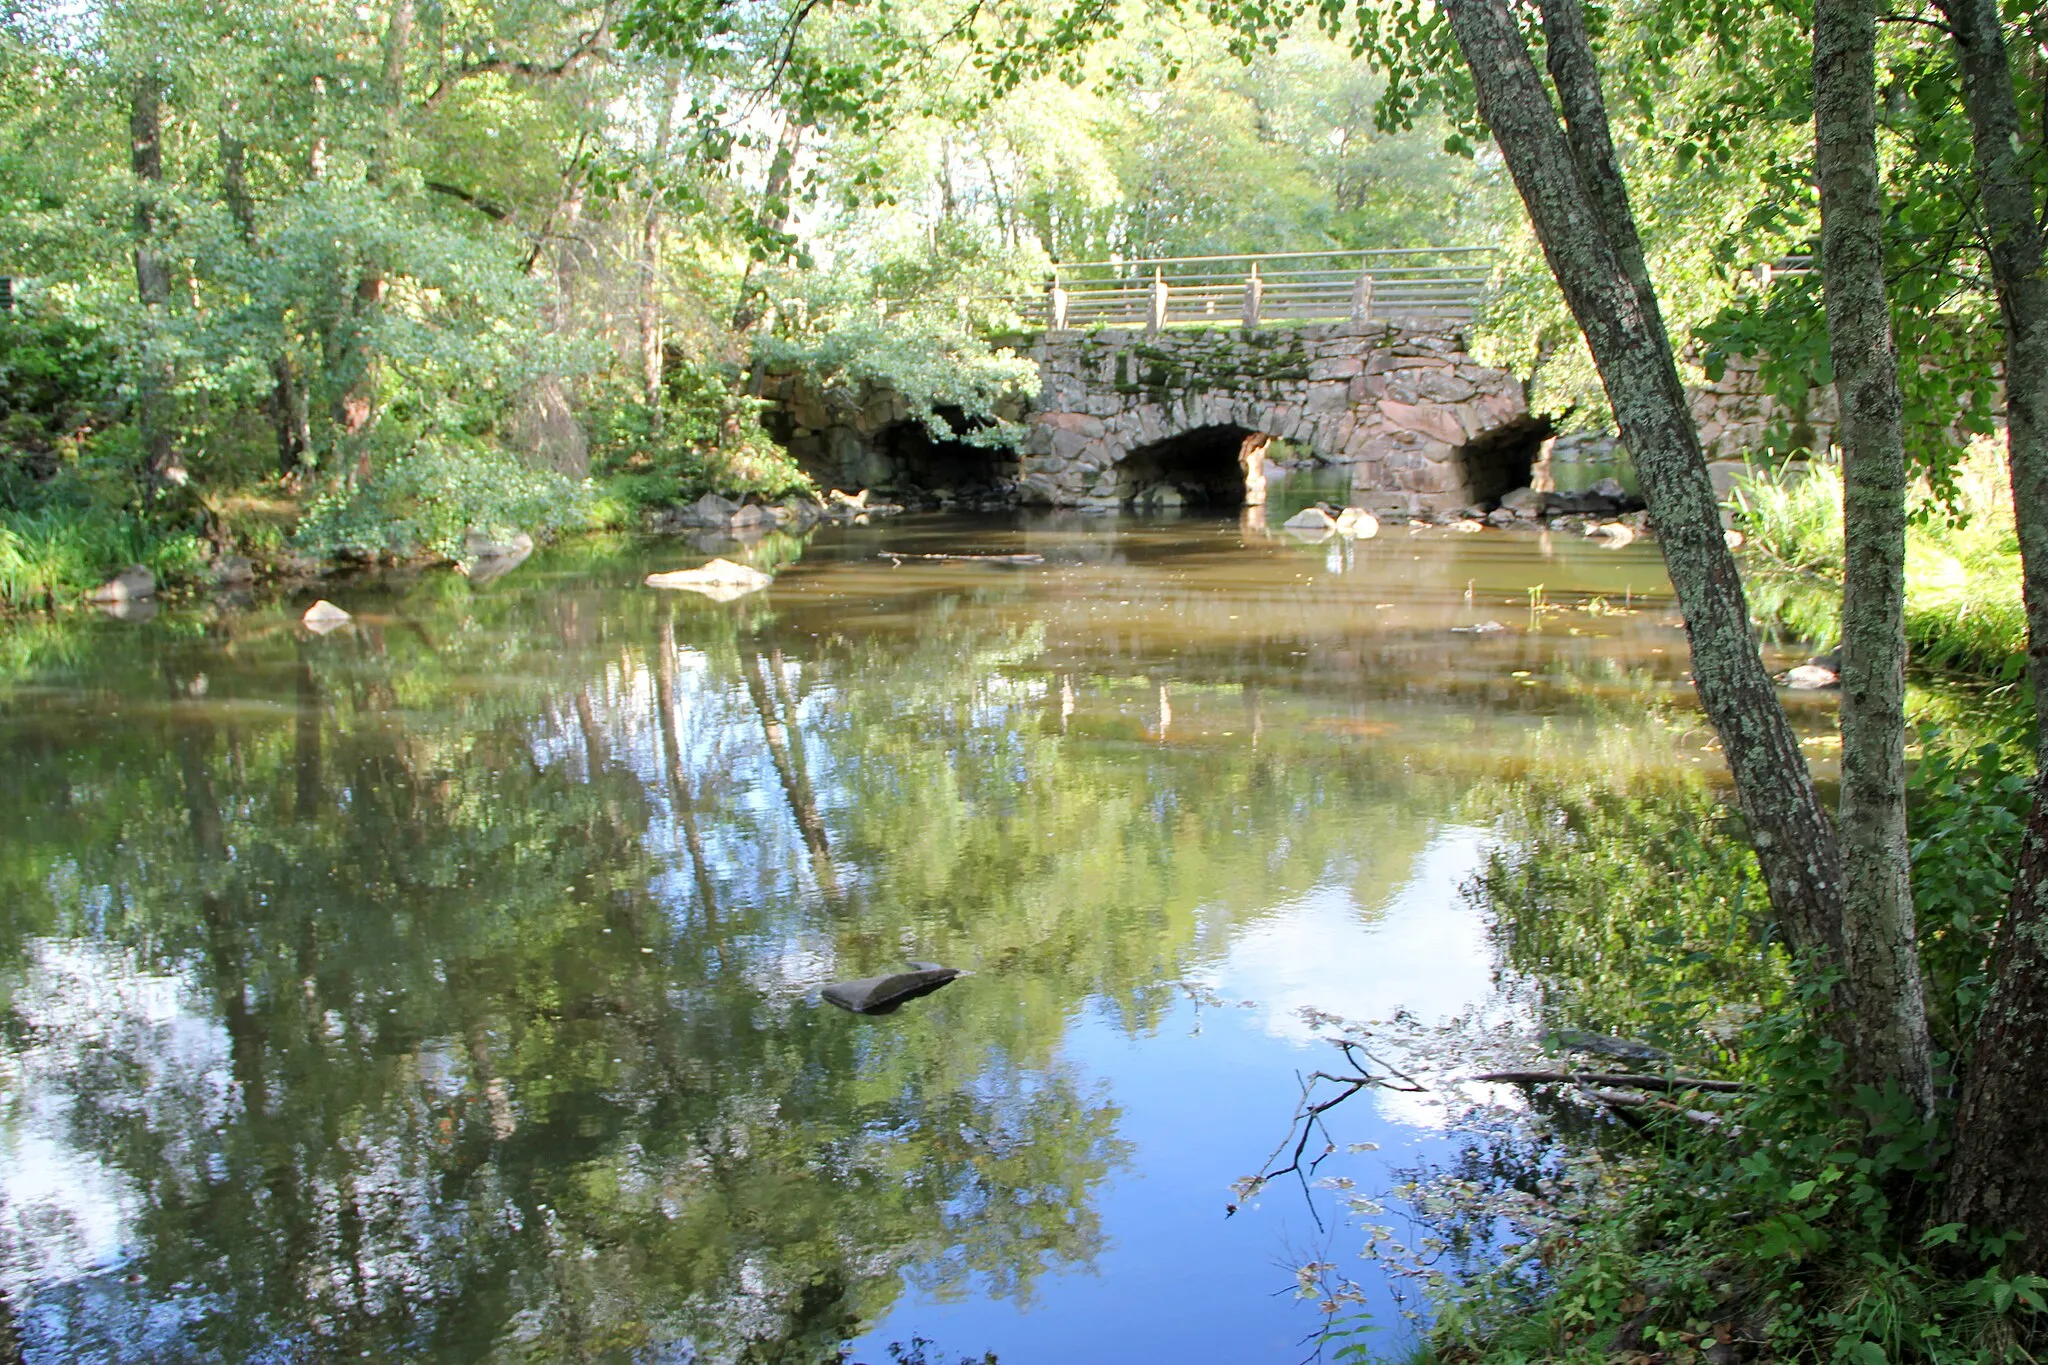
1963	605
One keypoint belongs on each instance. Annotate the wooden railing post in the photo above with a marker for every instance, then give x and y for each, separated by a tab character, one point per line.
1361	297
1155	322
1254	298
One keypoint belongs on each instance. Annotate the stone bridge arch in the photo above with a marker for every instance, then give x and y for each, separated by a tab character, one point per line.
1419	423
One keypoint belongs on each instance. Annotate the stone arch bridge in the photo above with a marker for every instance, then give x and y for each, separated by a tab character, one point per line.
1194	417
1127	417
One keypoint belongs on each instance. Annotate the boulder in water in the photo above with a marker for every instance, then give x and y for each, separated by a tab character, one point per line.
132	584
1311	519
721	580
323	617
1357	524
885	994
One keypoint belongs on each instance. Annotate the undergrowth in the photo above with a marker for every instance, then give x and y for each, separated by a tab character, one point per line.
1760	1226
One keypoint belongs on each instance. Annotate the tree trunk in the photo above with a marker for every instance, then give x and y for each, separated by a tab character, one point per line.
773	219
1999	1177
1577	200
287	408
803	802
679	793
1794	838
152	276
355	408
1882	952
650	256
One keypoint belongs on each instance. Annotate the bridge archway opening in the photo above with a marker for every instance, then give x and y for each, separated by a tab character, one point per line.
1504	459
913	461
1198	468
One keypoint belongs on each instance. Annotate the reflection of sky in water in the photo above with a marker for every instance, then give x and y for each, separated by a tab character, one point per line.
1204	1100
1200	803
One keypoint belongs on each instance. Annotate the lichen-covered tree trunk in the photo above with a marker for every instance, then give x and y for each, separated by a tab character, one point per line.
1998	1178
1794	838
1881	953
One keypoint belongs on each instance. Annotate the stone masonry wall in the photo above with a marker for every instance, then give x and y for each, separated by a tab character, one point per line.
1419	423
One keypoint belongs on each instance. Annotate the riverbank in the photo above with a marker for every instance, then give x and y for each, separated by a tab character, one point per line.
1963	605
1658	1221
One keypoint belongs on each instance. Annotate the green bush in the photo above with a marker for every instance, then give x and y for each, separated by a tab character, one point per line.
58	553
710	441
1769	1221
424	501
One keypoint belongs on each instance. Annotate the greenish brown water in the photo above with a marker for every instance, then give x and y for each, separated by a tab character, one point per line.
445	987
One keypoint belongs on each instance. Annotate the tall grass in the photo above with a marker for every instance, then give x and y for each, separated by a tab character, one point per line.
1963	605
58	553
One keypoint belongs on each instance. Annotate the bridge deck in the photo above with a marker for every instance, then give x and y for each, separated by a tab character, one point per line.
1267	289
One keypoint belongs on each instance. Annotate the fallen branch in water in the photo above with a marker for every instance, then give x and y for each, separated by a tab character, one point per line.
1309	1116
898	555
1621	1101
1606	1078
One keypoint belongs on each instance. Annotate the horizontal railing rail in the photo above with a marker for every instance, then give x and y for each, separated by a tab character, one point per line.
1282	288
1266	289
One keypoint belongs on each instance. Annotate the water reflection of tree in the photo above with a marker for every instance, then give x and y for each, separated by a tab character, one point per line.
459	1105
494	917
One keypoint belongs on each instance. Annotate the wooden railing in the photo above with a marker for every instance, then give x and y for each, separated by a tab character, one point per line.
1270	289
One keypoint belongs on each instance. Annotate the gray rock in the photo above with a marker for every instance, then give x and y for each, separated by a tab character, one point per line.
1525	502
231	571
323	617
1357	523
721	580
1609	488
753	514
132	584
1311	519
709	510
481	544
886	994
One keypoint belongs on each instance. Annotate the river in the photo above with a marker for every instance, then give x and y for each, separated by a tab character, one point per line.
446	987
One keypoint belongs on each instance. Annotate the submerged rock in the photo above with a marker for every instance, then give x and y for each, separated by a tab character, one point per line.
721	580
884	994
132	584
323	617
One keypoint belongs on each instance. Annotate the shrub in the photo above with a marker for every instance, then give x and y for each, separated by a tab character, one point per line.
424	502
710	441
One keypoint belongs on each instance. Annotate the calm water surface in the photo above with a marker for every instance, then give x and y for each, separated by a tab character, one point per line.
445	988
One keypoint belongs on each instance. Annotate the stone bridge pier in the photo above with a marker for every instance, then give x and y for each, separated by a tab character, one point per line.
1127	418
